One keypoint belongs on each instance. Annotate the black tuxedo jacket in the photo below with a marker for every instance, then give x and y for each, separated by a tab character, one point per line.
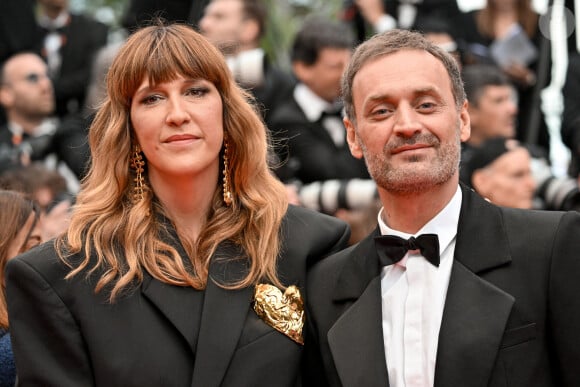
83	38
511	316
64	334
307	149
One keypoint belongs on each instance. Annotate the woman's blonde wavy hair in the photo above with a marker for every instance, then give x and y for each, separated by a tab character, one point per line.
108	226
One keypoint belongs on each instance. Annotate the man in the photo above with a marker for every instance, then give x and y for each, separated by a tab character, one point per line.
485	296
501	171
308	128
32	133
68	42
493	111
493	106
236	27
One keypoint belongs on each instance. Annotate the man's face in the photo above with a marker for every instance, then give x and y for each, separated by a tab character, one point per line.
495	113
408	127
222	23
508	181
27	91
323	76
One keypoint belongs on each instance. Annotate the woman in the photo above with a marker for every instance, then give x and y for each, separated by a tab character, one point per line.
181	241
19	233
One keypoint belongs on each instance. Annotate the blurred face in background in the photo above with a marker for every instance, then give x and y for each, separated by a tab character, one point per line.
27	237
323	76
495	113
508	180
26	91
223	24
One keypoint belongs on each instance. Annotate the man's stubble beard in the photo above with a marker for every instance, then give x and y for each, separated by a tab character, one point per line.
414	180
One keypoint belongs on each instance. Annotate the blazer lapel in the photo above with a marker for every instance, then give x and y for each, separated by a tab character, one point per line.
473	324
476	311
356	339
175	302
223	316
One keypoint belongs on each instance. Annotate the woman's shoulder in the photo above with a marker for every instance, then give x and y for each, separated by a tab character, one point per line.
43	259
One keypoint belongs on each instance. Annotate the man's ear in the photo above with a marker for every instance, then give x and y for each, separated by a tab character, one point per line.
479	182
6	97
300	69
352	139
465	122
250	31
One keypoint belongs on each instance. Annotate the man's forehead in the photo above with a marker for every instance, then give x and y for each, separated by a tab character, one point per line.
23	64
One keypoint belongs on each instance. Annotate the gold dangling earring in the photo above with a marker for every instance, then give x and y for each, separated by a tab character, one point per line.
228	198
137	163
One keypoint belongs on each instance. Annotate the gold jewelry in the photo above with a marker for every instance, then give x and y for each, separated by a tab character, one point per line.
137	163
282	311
228	197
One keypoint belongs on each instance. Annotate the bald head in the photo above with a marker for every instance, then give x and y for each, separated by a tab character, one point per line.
26	92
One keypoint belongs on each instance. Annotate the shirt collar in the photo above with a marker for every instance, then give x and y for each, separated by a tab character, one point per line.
311	104
48	126
444	224
52	24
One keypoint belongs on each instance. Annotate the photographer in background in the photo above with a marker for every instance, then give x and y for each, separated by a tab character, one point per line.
493	112
32	133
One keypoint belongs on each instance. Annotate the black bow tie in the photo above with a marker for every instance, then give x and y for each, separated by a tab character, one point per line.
392	249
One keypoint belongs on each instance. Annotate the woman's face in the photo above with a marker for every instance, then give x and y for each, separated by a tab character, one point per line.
179	127
28	237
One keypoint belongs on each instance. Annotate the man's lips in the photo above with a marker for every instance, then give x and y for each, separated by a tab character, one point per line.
412	147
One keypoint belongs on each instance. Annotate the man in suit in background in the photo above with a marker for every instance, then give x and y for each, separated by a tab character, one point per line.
68	42
449	290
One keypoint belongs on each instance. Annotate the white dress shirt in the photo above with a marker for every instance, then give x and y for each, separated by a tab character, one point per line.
313	107
413	295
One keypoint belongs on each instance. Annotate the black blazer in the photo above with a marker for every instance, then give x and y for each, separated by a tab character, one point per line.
66	335
511	315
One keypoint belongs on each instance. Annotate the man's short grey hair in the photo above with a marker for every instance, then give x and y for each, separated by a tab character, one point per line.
391	42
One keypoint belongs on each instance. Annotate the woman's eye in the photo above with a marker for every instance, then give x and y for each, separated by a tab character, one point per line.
150	99
197	91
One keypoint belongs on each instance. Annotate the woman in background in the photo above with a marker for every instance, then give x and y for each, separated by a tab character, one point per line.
18	233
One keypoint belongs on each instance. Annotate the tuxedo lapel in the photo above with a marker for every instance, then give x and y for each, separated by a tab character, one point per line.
476	311
472	327
223	316
356	339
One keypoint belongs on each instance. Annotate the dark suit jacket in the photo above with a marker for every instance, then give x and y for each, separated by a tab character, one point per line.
83	39
65	335
69	143
511	315
307	149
